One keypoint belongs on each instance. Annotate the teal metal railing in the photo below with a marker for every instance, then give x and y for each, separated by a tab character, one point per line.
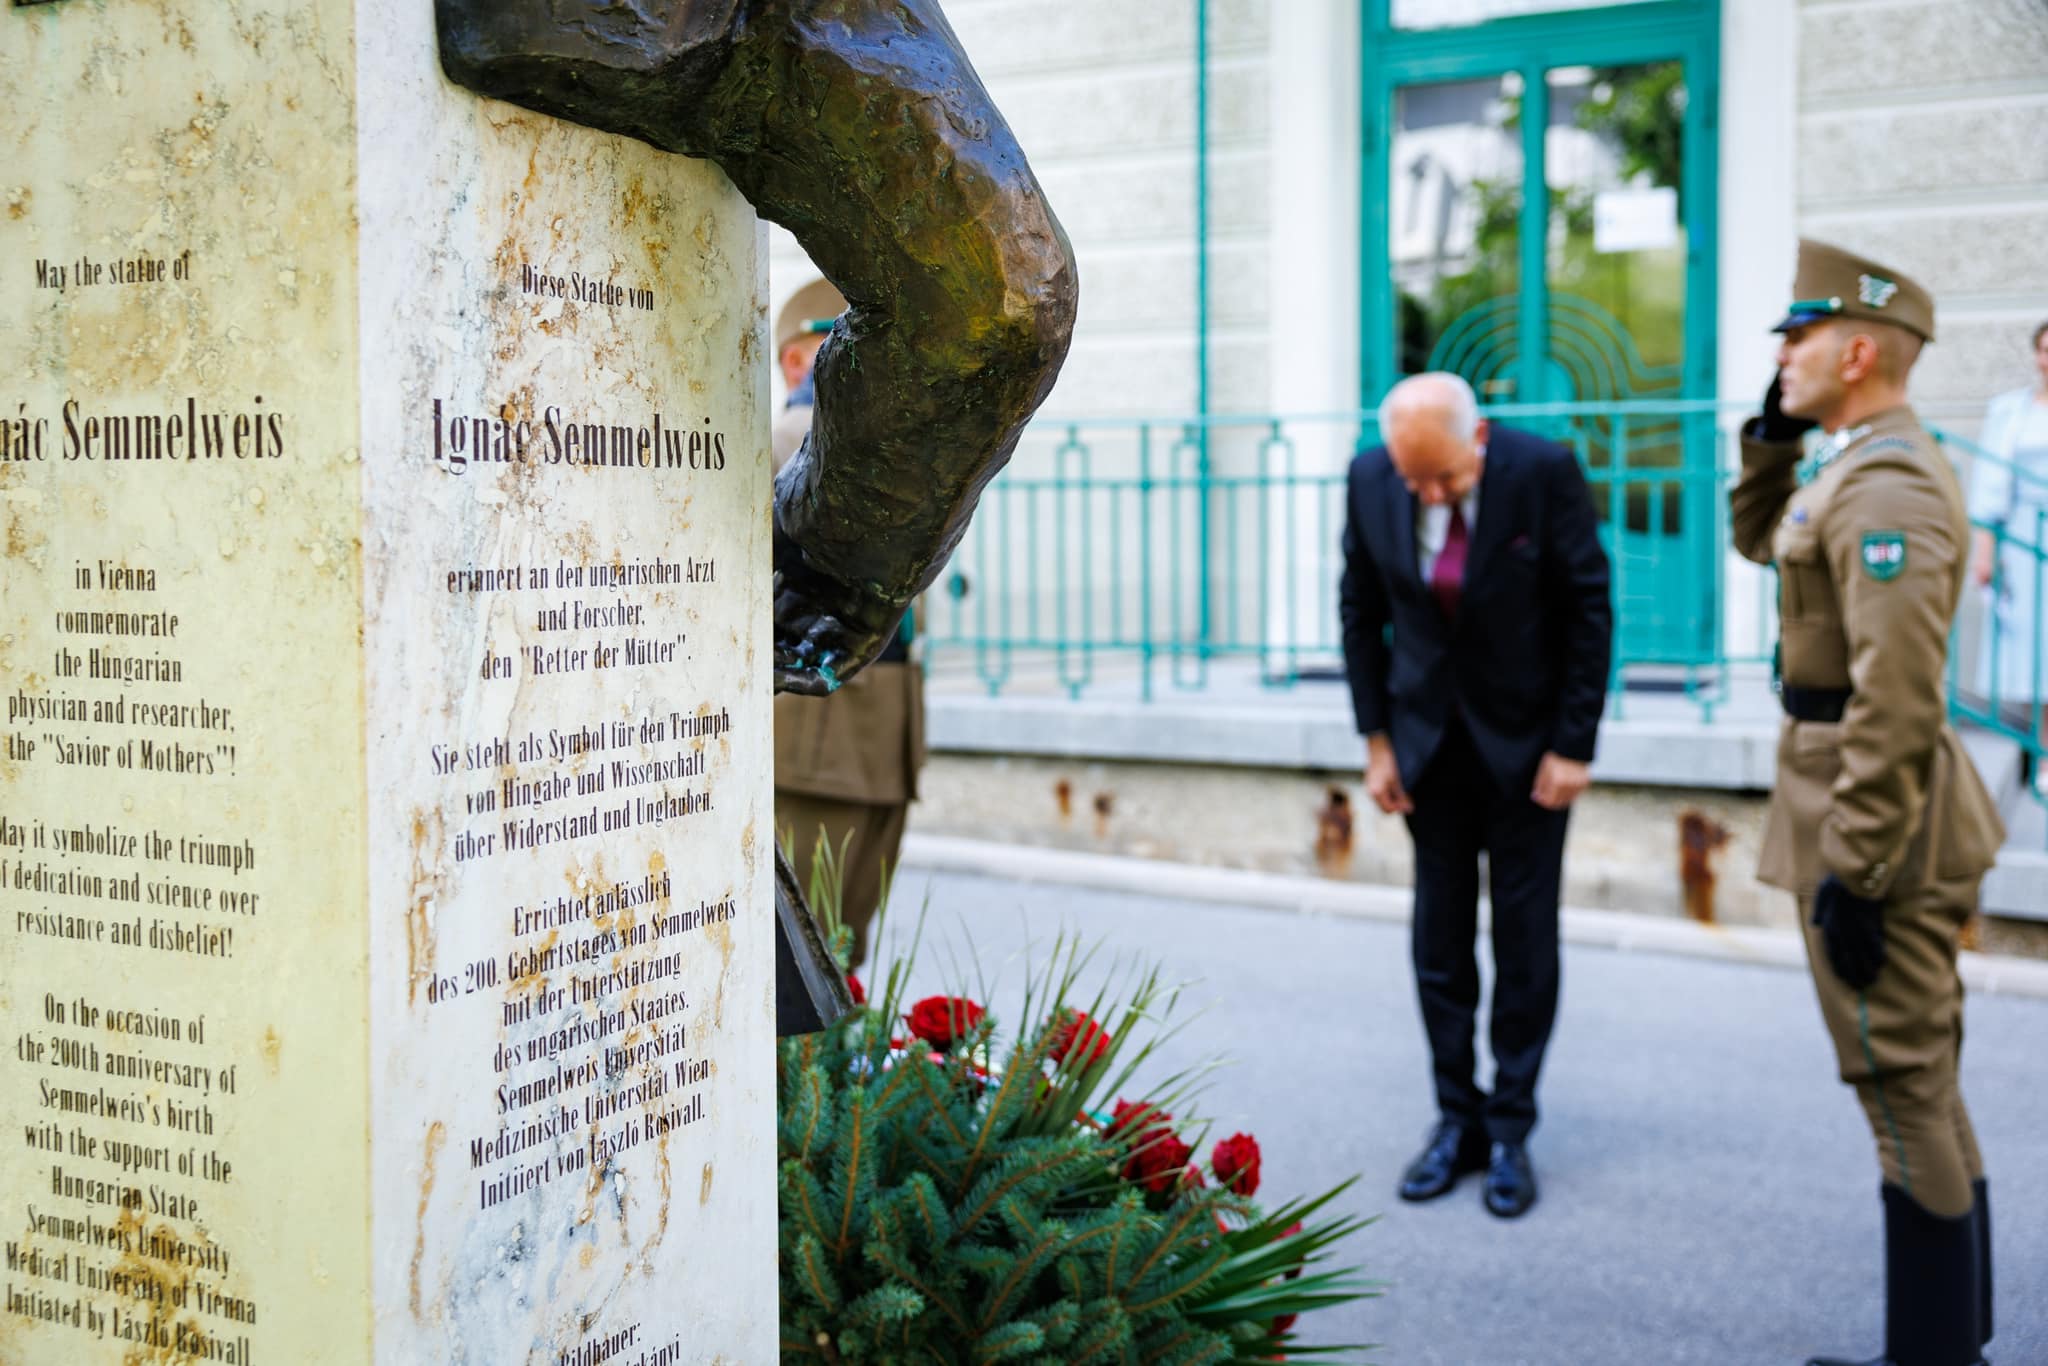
2002	684
1147	554
1167	545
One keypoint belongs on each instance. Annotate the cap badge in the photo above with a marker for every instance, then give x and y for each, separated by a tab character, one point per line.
1875	290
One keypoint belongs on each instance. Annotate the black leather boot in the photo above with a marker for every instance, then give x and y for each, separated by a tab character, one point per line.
1933	1293
1982	1215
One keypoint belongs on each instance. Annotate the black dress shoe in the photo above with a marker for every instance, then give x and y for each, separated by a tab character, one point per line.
1453	1151
1510	1181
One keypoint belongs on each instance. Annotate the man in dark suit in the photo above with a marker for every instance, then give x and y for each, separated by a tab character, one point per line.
1476	545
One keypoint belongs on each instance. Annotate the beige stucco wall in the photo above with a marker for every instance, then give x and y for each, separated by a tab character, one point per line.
1918	132
1102	99
1923	141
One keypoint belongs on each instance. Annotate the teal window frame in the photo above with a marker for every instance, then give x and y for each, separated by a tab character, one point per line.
1688	31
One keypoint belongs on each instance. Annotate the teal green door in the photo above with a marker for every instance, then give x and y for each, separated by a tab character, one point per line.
1539	218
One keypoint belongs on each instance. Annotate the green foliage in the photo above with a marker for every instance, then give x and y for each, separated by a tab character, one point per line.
1640	110
936	1208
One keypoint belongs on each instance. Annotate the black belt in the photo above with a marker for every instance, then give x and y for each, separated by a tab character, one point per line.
1814	704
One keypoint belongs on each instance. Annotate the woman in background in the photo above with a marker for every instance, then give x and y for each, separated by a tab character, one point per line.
2009	504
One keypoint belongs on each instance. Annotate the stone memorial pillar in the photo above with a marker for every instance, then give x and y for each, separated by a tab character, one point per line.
385	849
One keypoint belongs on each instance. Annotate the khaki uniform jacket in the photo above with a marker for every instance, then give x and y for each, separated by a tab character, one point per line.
864	743
1870	556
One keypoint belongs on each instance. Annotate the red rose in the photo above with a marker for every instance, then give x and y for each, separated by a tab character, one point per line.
1127	1117
941	1020
1236	1161
1078	1039
1160	1160
854	989
1158	1157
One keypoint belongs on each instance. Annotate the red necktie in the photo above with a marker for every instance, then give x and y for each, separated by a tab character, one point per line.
1447	575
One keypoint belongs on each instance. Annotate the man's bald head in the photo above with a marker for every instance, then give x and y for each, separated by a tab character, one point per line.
1438	395
1434	435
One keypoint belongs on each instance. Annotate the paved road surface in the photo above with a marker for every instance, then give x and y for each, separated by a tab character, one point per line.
1709	1188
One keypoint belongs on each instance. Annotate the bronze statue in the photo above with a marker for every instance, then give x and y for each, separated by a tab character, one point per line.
861	127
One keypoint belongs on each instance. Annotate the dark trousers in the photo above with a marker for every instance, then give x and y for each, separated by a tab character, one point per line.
1460	811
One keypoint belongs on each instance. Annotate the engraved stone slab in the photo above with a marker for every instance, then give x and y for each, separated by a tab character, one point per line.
385	853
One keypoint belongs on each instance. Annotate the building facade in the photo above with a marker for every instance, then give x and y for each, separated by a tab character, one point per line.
1357	152
1589	209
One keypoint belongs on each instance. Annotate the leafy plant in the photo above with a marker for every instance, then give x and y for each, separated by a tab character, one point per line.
949	1197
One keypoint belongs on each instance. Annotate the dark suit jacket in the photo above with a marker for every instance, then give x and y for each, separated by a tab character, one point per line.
1525	664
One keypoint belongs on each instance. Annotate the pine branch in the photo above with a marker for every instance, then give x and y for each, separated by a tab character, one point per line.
1109	1339
1023	1062
1168	1240
921	1196
811	1103
1059	1321
1185	1345
1014	1173
1011	1340
857	1175
1029	1261
890	1303
1192	1279
890	1260
800	1185
1116	1243
940	1109
894	1079
814	1275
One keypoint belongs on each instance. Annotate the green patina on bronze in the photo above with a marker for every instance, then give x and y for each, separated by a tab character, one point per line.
861	127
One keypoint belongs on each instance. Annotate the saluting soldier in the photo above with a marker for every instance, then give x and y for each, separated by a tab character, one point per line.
1879	823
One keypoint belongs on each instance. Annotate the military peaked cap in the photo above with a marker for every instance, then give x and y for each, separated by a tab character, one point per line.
1832	283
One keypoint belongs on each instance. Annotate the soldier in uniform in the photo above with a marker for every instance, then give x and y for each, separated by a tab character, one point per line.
845	764
1879	824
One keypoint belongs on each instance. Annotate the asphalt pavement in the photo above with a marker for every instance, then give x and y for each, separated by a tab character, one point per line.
1709	1189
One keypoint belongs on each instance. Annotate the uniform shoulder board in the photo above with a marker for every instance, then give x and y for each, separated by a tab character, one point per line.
1889	443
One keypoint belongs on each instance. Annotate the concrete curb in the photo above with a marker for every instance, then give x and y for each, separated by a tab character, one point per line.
1317	736
1619	930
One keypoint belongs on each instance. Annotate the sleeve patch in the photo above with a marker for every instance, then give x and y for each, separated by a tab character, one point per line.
1884	554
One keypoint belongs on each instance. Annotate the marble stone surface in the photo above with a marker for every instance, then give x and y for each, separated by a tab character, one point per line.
383	617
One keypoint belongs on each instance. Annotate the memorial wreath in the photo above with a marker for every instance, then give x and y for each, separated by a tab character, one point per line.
949	1196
